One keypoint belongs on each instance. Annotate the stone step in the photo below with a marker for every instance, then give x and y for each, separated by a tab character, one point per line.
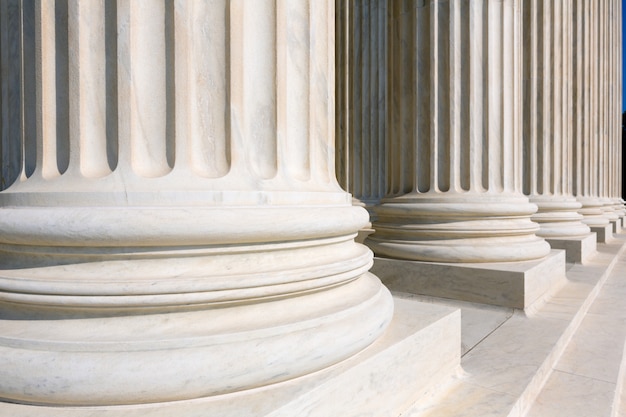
507	367
419	350
586	380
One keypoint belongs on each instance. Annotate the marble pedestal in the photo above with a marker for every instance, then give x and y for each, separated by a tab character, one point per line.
616	224
418	352
507	284
604	233
577	250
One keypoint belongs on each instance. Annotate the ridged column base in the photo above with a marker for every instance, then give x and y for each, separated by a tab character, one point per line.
558	217
592	212
103	306
481	228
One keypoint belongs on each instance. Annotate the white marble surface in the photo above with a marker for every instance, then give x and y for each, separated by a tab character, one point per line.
517	285
510	372
454	179
361	99
567	395
578	250
420	348
177	230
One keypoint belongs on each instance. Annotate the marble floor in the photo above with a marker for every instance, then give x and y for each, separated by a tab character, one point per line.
565	357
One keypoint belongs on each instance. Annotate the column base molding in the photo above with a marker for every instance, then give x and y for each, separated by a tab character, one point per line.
516	285
133	305
577	249
419	352
455	228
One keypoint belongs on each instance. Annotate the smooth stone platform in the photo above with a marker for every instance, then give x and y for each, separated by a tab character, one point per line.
577	250
516	284
419	350
604	233
555	360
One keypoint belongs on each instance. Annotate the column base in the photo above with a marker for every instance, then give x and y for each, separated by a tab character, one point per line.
516	285
418	352
604	233
577	249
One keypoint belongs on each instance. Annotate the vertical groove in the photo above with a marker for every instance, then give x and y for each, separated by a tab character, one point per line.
29	83
352	90
421	54
408	106
340	108
390	113
383	99
111	110
169	30
482	71
576	97
357	102
444	107
435	93
364	105
586	99
456	108
530	41
61	61
10	92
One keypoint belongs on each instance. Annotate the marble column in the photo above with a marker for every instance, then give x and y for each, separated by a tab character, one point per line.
586	139
548	120
454	189
615	114
361	57
604	112
176	230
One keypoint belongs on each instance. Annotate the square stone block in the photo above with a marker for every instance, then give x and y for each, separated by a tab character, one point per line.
577	250
604	233
514	284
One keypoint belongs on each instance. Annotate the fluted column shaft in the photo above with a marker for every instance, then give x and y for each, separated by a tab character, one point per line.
604	109
615	107
548	120
177	200
586	135
361	54
454	180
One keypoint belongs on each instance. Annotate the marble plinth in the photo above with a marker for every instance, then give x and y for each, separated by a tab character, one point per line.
616	224
419	350
516	285
603	233
577	250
